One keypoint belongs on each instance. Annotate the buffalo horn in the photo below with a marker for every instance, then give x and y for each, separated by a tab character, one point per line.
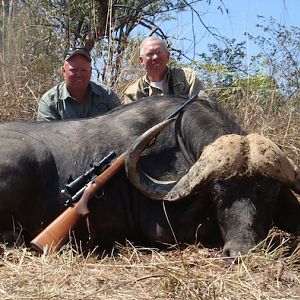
266	158
152	188
232	155
228	156
221	159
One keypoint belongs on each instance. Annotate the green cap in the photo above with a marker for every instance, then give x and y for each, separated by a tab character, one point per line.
78	51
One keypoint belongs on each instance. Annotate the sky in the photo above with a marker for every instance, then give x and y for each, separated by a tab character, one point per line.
242	18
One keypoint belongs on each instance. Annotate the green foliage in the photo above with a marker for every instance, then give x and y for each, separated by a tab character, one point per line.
280	53
275	67
222	66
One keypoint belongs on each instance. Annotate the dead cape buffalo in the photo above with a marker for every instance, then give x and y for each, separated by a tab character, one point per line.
203	180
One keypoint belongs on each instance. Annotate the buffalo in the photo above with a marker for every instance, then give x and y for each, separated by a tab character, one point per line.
197	178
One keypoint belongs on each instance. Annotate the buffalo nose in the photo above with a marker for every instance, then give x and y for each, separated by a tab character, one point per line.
230	256
232	251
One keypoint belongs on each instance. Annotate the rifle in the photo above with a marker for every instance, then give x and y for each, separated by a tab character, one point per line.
55	234
74	190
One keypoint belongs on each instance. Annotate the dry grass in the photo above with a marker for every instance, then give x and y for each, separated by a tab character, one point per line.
132	273
267	115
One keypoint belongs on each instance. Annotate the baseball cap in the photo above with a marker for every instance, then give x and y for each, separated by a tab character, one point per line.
78	51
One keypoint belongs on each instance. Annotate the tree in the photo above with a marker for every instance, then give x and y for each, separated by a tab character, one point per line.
280	54
35	34
28	58
222	66
276	67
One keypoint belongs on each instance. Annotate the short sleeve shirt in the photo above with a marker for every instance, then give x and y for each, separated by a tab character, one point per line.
58	104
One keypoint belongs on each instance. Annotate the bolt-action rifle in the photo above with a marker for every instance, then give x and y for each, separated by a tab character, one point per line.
74	189
56	233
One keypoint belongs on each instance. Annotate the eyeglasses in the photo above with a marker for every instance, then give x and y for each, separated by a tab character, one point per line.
151	54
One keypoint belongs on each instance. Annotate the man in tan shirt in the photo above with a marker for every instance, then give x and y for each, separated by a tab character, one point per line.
159	78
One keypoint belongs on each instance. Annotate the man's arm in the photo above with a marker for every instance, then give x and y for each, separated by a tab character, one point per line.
113	100
127	98
47	110
135	91
195	85
104	94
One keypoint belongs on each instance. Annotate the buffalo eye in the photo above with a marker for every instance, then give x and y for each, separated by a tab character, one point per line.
267	188
219	192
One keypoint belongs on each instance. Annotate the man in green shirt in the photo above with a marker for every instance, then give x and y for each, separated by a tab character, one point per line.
159	78
76	97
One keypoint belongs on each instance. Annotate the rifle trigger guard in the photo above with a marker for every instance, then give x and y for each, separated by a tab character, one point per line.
99	194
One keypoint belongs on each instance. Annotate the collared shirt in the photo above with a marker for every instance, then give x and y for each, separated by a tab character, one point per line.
184	83
58	104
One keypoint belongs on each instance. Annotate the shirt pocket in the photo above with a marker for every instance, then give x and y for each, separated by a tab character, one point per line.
99	108
179	88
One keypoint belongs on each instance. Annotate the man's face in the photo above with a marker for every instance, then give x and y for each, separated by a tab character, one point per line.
154	58
77	72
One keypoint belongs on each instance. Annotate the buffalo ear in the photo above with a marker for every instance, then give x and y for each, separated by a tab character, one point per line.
287	212
296	185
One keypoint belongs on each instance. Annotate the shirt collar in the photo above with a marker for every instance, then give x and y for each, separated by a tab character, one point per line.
64	93
167	75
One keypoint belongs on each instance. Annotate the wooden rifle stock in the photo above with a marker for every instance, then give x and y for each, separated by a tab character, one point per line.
55	234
